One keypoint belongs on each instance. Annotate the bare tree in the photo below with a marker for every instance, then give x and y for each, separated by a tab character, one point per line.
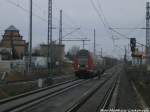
74	50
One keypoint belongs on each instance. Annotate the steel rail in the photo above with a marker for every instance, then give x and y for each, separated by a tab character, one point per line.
82	100
34	80
33	92
106	99
38	98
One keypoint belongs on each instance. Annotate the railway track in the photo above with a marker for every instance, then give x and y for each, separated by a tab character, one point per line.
28	100
24	101
108	96
103	104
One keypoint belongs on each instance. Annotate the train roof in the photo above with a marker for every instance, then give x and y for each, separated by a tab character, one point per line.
83	52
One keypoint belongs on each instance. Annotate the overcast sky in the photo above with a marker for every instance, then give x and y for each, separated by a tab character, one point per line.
78	13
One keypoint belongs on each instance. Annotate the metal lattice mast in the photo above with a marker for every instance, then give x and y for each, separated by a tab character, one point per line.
30	38
60	28
148	32
50	56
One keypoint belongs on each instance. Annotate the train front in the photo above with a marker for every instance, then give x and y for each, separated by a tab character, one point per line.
83	64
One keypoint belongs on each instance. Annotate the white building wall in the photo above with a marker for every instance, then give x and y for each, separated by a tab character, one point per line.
12	65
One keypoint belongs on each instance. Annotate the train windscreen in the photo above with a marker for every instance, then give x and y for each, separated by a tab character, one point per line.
82	56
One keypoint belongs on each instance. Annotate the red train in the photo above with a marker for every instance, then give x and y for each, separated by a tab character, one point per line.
86	65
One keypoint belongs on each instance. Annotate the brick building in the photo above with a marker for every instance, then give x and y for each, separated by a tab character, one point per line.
12	39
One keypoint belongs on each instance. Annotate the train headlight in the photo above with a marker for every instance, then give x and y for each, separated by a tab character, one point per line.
78	66
87	66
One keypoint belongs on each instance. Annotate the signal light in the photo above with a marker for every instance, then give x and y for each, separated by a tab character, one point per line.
133	44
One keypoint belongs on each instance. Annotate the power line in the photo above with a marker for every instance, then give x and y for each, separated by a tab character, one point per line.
74	22
100	7
102	17
99	15
58	19
64	14
132	31
126	37
25	10
36	15
53	9
142	28
105	22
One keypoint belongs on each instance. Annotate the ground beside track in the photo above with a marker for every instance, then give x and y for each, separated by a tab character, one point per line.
7	89
127	98
140	78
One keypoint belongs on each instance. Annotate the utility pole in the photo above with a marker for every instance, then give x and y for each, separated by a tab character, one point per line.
60	28
83	43
101	52
94	42
148	33
125	55
30	40
60	38
50	25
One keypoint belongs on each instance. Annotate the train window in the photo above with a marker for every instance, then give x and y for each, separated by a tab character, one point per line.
82	53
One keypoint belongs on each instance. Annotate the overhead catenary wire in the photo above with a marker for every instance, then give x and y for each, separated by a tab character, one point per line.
18	5
65	15
105	22
102	12
38	16
25	10
132	31
72	23
124	36
99	15
102	17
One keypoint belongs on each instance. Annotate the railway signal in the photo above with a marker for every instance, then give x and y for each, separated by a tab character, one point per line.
133	44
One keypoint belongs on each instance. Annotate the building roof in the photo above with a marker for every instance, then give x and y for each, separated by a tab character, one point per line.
11	28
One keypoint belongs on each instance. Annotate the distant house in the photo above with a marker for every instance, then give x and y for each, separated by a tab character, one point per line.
40	54
58	51
14	40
